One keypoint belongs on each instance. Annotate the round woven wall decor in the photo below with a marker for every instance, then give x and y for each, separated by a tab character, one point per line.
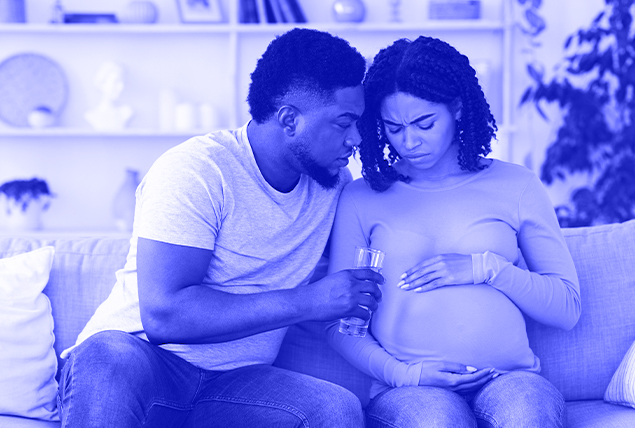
30	81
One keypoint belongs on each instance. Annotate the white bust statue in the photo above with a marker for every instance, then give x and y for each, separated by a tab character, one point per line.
107	115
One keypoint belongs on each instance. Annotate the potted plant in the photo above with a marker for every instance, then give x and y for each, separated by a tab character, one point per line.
22	202
595	89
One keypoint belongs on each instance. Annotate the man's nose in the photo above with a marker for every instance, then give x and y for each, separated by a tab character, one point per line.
353	139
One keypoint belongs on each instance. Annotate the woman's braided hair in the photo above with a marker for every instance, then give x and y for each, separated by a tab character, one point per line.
432	70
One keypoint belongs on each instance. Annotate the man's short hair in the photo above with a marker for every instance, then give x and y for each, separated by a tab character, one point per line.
302	60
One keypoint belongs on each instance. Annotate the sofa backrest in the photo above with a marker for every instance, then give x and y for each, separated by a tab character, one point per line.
581	362
82	276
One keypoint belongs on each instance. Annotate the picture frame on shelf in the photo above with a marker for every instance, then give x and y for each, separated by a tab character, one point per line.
200	11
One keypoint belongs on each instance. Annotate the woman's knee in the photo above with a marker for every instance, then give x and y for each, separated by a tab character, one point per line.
419	407
519	399
337	407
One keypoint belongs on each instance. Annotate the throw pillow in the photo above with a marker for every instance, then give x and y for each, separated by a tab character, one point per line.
27	380
621	389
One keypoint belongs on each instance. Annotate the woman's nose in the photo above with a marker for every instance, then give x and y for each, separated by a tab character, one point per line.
411	140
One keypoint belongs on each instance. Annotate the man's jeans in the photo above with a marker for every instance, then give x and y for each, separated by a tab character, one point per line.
114	379
513	400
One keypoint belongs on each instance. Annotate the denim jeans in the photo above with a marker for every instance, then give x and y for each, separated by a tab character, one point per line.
512	400
115	379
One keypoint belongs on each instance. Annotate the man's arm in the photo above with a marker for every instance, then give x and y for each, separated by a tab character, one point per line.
176	308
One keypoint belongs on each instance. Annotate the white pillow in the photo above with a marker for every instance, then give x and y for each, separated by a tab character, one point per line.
27	360
621	389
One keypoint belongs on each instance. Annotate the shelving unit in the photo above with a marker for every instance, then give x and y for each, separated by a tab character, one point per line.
208	63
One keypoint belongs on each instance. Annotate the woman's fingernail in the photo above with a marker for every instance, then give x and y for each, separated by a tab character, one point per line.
470	368
400	283
495	375
403	275
418	290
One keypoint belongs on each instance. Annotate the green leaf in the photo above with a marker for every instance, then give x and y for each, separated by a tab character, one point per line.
536	22
526	95
598	18
535	73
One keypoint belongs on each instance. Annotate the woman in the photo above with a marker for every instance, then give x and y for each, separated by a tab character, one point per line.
448	343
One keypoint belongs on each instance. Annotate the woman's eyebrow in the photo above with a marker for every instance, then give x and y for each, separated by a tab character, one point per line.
416	120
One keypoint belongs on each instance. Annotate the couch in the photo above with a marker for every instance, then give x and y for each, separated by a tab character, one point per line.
580	363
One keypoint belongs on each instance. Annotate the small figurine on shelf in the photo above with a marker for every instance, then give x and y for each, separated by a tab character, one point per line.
395	12
57	13
22	203
107	115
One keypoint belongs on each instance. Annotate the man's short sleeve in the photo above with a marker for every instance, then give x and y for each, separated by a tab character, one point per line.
180	201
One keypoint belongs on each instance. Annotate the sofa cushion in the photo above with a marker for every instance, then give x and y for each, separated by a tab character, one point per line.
306	350
621	390
599	414
581	362
82	276
17	422
27	383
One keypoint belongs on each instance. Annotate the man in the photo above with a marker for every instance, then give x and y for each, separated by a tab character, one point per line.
228	229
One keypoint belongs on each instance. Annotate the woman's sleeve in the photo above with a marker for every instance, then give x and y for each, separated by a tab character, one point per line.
366	354
548	291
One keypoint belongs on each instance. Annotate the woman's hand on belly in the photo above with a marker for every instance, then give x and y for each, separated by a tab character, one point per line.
438	271
455	377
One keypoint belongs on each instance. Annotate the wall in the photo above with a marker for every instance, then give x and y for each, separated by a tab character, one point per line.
85	172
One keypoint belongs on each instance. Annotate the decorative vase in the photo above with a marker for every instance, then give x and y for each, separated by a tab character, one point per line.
12	11
349	10
139	12
123	206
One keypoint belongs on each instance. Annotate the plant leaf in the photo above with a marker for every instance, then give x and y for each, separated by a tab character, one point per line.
534	73
526	95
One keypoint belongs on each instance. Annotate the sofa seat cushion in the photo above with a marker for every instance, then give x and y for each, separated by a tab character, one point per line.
581	362
306	350
599	414
17	422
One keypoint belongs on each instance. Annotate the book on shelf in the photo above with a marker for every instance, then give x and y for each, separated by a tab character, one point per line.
293	10
277	11
270	11
248	12
262	13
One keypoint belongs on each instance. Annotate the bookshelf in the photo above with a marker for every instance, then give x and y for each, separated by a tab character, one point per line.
208	63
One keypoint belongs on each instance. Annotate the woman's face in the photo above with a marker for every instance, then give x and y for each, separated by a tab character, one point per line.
422	132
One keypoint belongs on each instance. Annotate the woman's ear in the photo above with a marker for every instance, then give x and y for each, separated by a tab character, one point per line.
457	106
288	119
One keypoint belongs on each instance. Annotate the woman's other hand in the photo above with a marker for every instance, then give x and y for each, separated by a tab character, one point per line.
455	377
438	271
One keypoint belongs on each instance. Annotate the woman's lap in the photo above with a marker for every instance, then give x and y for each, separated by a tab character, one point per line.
516	399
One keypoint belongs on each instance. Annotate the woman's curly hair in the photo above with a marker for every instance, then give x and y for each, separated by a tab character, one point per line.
432	70
306	59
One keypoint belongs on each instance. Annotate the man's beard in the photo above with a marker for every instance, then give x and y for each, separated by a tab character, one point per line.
320	174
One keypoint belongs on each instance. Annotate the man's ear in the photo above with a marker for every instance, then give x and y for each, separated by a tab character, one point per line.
289	119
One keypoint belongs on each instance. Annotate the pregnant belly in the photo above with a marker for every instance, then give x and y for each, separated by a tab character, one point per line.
475	325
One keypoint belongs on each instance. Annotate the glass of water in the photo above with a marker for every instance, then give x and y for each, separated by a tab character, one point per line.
365	258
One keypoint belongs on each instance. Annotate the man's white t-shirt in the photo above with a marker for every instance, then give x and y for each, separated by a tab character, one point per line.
209	193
